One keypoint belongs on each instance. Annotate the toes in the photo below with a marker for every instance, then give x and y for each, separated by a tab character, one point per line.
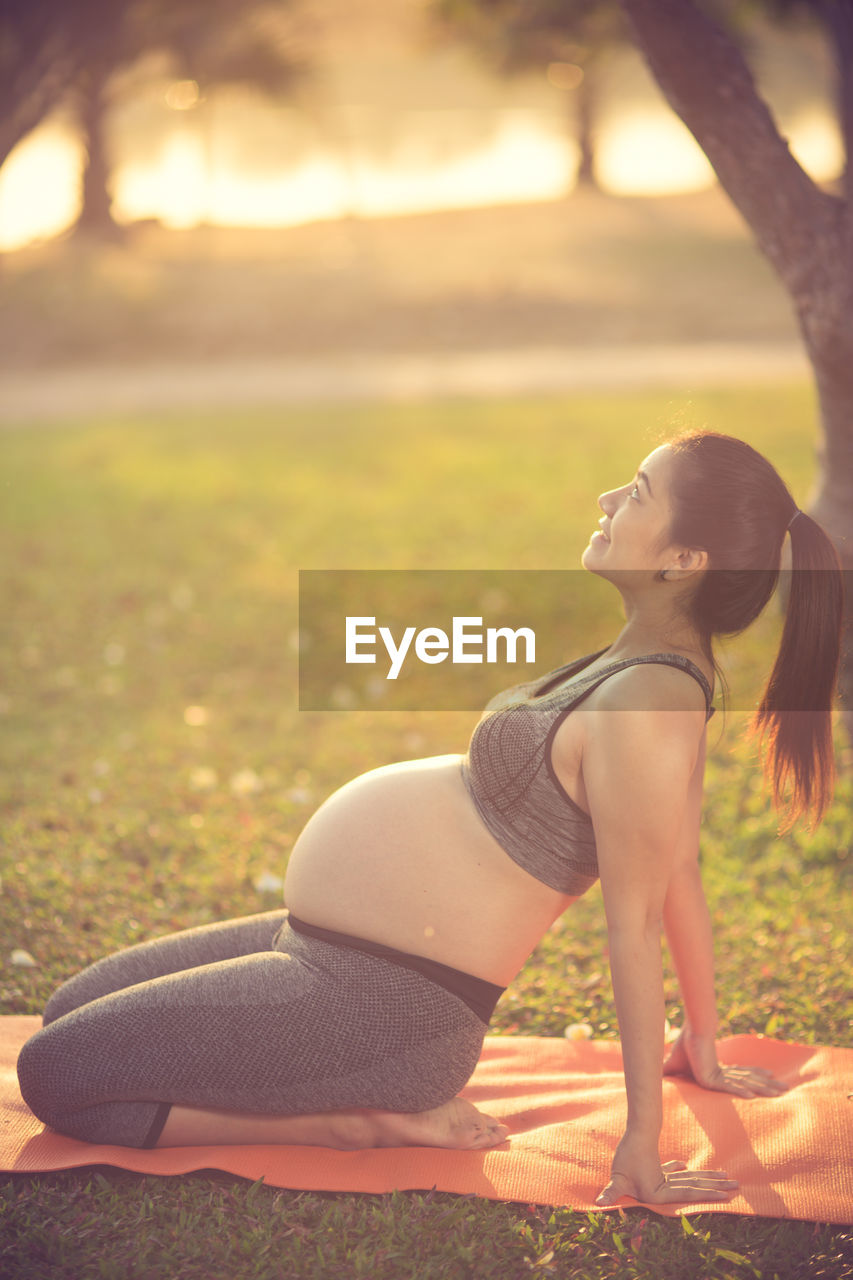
490	1134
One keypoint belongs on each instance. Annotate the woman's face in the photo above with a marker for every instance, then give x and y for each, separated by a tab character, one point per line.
633	532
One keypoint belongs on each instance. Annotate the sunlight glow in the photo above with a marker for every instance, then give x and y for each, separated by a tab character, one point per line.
521	162
175	190
564	75
817	147
182	95
527	158
651	153
39	187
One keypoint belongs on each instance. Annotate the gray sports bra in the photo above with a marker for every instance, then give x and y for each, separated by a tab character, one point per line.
510	777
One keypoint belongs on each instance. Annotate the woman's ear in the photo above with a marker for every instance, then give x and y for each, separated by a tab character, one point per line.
688	561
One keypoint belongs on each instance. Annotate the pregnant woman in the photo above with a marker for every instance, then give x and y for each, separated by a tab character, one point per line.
416	892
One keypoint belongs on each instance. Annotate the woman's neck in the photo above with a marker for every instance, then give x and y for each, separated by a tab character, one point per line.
642	635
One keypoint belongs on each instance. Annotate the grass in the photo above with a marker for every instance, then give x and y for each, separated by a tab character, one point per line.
205	1225
150	568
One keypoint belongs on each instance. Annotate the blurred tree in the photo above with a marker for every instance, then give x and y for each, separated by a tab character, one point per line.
805	231
77	54
44	47
569	39
695	50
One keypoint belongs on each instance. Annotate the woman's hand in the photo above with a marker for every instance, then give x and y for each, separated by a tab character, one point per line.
638	1172
696	1058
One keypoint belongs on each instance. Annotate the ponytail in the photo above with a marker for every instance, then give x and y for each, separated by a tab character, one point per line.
793	722
730	501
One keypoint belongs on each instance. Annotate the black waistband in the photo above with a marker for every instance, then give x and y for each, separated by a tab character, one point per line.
479	995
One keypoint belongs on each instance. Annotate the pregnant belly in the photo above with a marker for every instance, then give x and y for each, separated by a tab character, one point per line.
401	856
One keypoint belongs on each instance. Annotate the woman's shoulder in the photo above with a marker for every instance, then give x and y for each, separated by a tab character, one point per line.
657	734
653	684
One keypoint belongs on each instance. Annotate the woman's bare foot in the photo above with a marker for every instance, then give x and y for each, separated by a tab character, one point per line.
456	1124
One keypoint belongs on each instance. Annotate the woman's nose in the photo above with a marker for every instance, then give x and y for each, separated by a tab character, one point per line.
607	501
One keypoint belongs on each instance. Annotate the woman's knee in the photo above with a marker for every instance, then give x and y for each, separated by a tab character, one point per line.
33	1074
72	994
61	1002
101	978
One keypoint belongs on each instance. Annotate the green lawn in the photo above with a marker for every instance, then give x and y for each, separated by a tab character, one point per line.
150	567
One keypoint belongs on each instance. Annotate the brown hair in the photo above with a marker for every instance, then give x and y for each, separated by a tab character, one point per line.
730	501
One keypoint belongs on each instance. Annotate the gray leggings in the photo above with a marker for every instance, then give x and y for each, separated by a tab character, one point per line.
248	1015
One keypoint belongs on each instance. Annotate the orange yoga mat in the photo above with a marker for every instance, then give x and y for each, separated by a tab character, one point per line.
564	1104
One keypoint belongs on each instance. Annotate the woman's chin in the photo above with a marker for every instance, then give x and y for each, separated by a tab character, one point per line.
592	555
594	561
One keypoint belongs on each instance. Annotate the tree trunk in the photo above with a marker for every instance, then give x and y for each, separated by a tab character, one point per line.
95	218
23	111
585	103
838	20
831	503
45	48
806	233
37	70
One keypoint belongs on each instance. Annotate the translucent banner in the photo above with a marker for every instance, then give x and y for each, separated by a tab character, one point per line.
449	640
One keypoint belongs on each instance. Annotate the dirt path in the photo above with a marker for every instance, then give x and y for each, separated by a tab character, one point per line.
56	394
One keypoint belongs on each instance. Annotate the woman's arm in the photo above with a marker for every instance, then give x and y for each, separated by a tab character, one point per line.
686	918
637	767
688	929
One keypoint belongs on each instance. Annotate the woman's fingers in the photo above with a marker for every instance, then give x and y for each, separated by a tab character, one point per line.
690	1176
745	1082
694	1187
765	1082
680	1185
690	1192
751	1082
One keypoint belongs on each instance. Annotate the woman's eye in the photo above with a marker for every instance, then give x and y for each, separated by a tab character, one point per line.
635	493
